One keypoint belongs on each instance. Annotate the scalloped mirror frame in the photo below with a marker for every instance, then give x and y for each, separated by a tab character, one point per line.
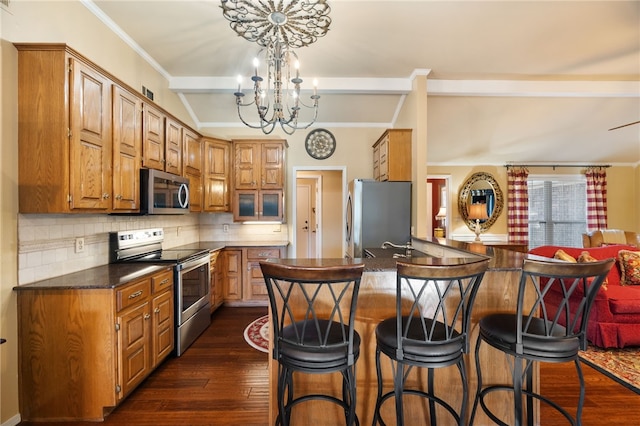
465	193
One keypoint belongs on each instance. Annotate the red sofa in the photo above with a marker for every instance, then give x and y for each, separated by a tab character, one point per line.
614	321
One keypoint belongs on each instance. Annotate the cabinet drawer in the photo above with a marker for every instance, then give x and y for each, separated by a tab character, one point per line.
133	294
162	281
263	253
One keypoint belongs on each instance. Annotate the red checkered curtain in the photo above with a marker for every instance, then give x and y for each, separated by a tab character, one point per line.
596	198
517	205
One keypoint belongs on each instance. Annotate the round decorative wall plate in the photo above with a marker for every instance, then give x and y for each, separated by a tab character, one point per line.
320	144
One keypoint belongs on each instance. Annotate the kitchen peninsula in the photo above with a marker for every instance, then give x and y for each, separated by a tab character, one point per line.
376	301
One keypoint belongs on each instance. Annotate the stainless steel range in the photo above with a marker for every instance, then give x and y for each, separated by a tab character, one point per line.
190	276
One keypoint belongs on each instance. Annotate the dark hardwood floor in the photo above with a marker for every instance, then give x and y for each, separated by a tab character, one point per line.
220	380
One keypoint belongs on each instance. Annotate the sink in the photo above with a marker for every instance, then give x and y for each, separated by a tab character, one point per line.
391	253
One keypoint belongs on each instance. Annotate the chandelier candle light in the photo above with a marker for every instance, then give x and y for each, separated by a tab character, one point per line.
278	27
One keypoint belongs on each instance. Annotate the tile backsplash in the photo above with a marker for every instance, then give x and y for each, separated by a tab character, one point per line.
47	243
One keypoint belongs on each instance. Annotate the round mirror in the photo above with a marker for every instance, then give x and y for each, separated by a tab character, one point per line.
480	198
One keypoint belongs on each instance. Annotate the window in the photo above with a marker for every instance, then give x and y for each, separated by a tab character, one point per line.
557	210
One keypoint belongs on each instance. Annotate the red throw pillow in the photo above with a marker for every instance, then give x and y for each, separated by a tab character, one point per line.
629	267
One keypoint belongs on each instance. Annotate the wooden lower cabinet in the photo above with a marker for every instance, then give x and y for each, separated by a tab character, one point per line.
256	290
217	279
244	284
232	275
83	350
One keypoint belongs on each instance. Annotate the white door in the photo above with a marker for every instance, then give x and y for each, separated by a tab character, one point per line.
305	219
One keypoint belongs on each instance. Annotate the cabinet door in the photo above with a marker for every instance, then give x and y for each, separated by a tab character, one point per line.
217	157
245	205
384	158
153	138
192	158
272	166
376	162
173	147
162	334
195	192
247	165
90	155
127	150
270	205
133	342
233	274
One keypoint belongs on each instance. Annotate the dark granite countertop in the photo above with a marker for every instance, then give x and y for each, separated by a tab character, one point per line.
113	275
501	259
100	277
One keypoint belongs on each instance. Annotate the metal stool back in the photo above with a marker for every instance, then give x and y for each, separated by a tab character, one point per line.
313	306
434	298
540	332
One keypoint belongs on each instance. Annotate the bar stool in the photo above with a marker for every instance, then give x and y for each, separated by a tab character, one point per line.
313	304
538	331
434	298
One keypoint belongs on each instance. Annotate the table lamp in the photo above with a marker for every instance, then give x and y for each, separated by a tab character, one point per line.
478	212
441	218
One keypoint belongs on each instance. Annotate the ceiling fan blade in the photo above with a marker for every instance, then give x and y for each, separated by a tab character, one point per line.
625	125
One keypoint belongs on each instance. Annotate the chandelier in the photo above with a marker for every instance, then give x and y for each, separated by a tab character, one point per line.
278	27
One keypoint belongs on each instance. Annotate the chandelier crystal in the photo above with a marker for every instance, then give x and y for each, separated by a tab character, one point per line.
278	27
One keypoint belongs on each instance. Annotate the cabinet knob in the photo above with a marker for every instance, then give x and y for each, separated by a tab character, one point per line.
156	310
118	197
147	316
105	195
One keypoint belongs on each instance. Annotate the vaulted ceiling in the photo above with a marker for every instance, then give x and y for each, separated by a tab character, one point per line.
508	81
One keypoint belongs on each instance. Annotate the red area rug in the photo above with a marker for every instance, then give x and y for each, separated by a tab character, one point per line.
622	365
257	334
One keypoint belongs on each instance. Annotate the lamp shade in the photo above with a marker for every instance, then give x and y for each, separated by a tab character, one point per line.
442	213
478	211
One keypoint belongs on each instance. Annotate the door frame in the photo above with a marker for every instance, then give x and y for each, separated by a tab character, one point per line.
294	200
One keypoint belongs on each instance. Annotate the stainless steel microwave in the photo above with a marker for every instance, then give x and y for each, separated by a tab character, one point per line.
163	193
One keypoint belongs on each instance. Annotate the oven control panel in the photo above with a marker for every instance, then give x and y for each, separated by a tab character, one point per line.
138	237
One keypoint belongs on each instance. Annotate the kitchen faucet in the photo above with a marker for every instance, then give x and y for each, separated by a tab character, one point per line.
407	247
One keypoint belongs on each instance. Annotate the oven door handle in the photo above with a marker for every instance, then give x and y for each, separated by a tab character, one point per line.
194	263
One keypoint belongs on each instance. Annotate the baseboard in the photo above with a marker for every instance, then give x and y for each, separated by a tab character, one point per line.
13	421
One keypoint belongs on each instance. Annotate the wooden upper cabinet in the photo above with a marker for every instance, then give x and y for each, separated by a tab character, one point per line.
192	168
83	136
272	166
216	175
153	153
127	149
90	138
192	157
64	132
259	180
247	165
173	147
392	156
259	164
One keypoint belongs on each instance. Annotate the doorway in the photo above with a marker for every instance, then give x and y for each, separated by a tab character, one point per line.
318	217
438	206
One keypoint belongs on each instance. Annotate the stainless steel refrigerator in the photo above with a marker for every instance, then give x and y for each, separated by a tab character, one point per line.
377	212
